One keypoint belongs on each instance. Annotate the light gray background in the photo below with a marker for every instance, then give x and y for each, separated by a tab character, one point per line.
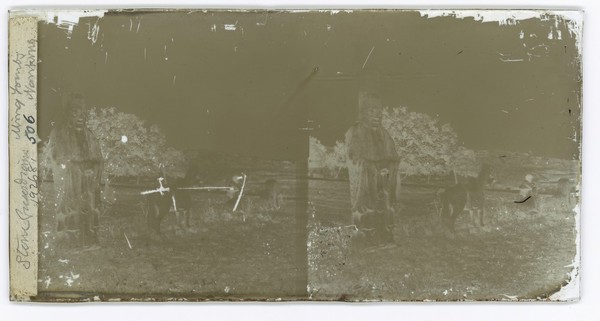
587	309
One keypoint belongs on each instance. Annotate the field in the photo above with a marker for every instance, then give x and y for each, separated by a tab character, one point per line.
516	255
226	255
251	254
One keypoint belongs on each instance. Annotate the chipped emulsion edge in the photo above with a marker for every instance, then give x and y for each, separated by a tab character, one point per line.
65	19
58	17
573	18
574	22
68	19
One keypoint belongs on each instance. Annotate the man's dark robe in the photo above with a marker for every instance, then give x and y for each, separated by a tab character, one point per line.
77	166
372	166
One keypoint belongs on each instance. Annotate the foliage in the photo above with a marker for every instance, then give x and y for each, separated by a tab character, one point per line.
317	154
130	147
335	158
464	162
174	161
424	145
331	160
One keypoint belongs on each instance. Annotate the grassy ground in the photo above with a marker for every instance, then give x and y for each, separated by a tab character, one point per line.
517	255
227	255
252	255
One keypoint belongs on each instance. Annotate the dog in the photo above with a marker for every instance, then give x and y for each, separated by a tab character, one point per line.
456	199
169	199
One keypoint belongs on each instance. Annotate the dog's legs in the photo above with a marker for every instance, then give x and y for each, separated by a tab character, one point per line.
188	213
183	220
448	215
155	219
481	217
178	221
471	216
451	217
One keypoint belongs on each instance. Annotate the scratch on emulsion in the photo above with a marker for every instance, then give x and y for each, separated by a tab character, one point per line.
63	19
128	242
93	31
368	56
230	27
510	60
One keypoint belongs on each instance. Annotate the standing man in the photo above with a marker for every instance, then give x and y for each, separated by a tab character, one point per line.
77	166
372	164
